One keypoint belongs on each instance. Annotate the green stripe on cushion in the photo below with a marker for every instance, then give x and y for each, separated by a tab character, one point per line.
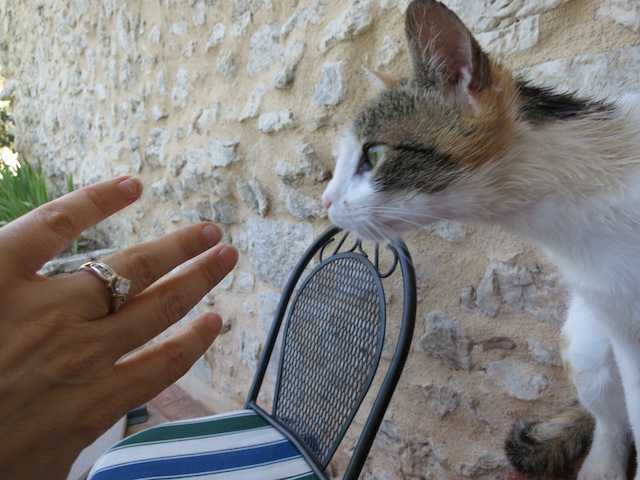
220	426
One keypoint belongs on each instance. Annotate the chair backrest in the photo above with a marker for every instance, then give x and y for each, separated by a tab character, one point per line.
331	340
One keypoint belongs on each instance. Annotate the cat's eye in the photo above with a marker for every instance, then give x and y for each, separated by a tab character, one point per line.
375	153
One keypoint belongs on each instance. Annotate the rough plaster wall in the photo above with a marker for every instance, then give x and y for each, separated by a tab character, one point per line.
231	111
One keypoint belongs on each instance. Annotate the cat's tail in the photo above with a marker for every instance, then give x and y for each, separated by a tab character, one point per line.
548	447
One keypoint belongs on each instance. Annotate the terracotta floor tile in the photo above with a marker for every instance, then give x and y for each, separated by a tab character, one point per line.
172	404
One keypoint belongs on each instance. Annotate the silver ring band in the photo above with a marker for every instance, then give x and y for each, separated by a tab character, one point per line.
118	286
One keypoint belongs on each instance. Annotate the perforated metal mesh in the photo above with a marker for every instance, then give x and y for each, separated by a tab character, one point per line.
335	327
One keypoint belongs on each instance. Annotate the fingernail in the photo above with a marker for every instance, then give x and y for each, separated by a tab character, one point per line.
228	257
131	187
212	235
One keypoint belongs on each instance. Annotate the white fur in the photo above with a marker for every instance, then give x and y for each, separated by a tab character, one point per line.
573	188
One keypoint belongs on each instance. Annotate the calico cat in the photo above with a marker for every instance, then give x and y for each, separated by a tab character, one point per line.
463	140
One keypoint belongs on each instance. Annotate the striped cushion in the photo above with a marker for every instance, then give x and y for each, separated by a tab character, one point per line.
238	445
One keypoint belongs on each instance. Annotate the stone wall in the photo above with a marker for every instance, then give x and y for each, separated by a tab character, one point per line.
230	111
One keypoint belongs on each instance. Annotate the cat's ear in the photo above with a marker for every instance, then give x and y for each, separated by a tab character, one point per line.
381	80
443	50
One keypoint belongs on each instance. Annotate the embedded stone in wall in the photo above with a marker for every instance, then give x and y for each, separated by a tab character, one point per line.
509	287
154	153
487	463
609	73
190	214
162	192
298	204
275	121
488	298
199	14
276	246
331	89
8	90
199	177
289	58
221	153
240	7
161	82
182	89
224	211
468	299
252	106
263	49
486	15
240	25
389	50
446	339
205	117
158	113
443	398
217	35
353	21
179	28
308	167
227	66
453	232
218	211
134	142
245	282
518	379
310	15
249	348
254	195
624	12
405	457
154	34
517	37
544	354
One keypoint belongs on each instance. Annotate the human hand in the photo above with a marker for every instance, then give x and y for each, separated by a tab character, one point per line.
66	372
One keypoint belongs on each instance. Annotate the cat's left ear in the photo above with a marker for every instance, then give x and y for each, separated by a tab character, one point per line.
443	50
381	80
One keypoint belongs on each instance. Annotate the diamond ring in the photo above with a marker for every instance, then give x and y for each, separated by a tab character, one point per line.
118	286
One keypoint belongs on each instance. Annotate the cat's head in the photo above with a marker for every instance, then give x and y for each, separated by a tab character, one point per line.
427	147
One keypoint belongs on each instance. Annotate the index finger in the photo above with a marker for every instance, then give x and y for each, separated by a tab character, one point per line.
36	237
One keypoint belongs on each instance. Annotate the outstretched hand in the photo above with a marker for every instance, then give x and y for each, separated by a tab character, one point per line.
66	368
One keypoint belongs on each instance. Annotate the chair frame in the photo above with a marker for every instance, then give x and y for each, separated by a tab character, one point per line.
396	365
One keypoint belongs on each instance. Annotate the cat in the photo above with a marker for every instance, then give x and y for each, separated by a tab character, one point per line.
461	139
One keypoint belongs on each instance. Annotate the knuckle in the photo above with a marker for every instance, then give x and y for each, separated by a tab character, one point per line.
210	279
186	246
172	307
142	271
96	200
176	359
59	222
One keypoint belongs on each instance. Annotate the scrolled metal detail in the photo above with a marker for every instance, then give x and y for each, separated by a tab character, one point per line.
358	247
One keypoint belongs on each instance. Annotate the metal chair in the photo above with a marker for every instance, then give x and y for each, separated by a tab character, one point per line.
330	339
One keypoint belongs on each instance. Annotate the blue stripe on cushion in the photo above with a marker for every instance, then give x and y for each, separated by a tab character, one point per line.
203	463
